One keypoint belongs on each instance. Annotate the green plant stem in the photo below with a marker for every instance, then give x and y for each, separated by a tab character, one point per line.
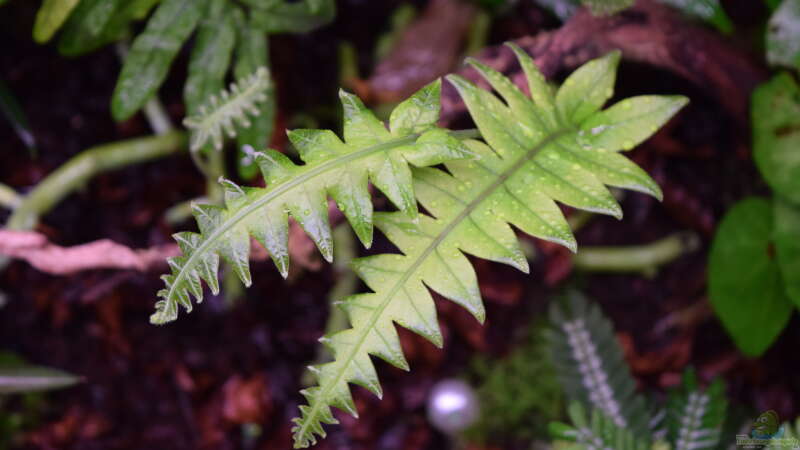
637	258
8	197
157	117
478	32
78	170
181	211
214	170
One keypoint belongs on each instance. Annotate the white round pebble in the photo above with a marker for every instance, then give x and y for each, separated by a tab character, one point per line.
452	406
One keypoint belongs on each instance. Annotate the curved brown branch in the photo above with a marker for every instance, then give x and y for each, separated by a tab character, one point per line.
34	248
650	33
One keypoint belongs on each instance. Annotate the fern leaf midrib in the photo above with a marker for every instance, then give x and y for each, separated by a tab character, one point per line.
294	182
400	284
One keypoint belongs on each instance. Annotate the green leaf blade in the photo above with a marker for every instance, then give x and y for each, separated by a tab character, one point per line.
630	122
419	112
282	16
588	88
51	15
745	286
775	115
210	56
152	53
787	246
18	379
11	109
252	52
91	25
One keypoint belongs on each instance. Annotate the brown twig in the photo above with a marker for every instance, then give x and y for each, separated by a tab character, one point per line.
650	33
427	49
39	252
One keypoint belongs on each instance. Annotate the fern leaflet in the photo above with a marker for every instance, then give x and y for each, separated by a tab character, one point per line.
555	146
597	432
233	104
591	365
595	376
339	169
695	416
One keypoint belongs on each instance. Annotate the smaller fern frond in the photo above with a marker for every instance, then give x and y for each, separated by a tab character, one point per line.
598	432
220	111
695	416
591	365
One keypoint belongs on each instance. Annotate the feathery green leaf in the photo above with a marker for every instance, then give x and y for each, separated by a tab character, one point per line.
536	153
220	111
333	168
695	415
591	364
596	432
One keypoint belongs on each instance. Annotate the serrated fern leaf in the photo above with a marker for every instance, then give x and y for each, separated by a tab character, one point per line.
590	363
598	432
333	168
229	106
695	415
538	152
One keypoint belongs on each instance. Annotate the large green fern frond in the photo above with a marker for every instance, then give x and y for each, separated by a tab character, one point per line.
333	168
591	365
695	416
553	146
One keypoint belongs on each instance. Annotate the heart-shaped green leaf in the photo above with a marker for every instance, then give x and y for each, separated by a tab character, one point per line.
745	284
776	134
787	246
